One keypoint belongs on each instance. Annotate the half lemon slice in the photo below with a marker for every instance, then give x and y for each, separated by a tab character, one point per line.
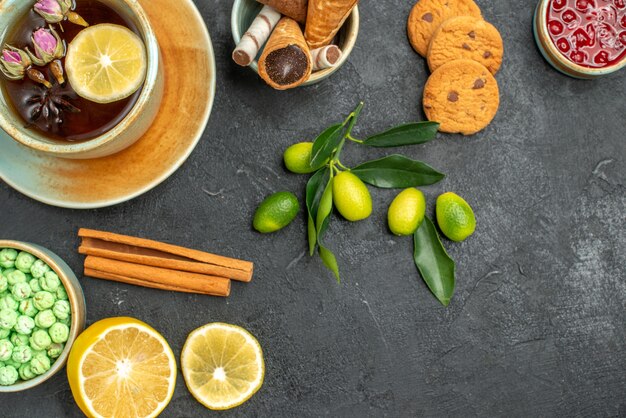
222	365
106	63
123	368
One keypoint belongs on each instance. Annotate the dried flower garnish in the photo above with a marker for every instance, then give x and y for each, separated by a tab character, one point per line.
56	68
14	62
38	77
48	47
55	11
50	10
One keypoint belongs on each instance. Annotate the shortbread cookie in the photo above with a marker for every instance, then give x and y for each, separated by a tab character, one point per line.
461	95
466	37
427	15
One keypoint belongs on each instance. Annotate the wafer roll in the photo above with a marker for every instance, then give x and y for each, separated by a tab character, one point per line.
256	36
286	60
295	9
324	19
325	57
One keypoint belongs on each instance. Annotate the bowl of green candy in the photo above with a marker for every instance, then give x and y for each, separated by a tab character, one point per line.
42	311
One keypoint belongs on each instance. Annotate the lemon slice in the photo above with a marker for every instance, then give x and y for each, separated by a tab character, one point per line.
106	63
122	368
222	365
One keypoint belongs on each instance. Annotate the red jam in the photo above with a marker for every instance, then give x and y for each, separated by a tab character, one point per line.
590	33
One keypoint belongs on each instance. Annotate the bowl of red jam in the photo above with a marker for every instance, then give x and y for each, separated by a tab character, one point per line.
582	38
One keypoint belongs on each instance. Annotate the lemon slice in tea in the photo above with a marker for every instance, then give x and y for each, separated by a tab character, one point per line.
106	63
121	367
222	365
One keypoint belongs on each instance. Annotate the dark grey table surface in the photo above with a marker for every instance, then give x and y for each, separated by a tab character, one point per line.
537	326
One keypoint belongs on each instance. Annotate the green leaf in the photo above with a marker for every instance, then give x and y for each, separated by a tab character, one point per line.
354	116
433	262
325	207
330	261
311	235
326	143
409	134
397	171
314	191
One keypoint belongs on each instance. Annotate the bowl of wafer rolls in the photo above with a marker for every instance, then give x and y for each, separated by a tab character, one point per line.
292	43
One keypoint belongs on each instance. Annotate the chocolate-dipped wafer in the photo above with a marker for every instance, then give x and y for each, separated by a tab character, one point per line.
286	60
295	9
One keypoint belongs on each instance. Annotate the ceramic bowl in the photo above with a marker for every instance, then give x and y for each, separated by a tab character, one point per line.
555	57
244	12
129	130
76	299
166	145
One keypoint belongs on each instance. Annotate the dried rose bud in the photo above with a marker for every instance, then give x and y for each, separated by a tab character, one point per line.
51	10
14	62
48	46
55	11
66	5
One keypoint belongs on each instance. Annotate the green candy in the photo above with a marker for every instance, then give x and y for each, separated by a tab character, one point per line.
67	321
22	354
59	333
24	261
55	350
19	339
4	283
34	285
40	364
21	291
8	318
26	373
27	308
6	272
61	309
24	325
8	375
16	276
6	349
4	333
43	300
8	302
7	257
50	282
40	340
45	319
39	268
61	293
12	363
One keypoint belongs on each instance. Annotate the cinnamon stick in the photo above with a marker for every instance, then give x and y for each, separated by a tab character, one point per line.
123	252
198	283
137	282
154	253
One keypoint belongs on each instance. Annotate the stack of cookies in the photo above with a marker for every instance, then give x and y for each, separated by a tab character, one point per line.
464	52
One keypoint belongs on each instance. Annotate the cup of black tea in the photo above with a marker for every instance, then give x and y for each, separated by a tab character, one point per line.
78	78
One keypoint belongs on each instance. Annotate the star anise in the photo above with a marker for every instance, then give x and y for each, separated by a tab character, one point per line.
50	104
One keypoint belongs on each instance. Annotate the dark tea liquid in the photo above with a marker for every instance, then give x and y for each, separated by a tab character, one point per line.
94	119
